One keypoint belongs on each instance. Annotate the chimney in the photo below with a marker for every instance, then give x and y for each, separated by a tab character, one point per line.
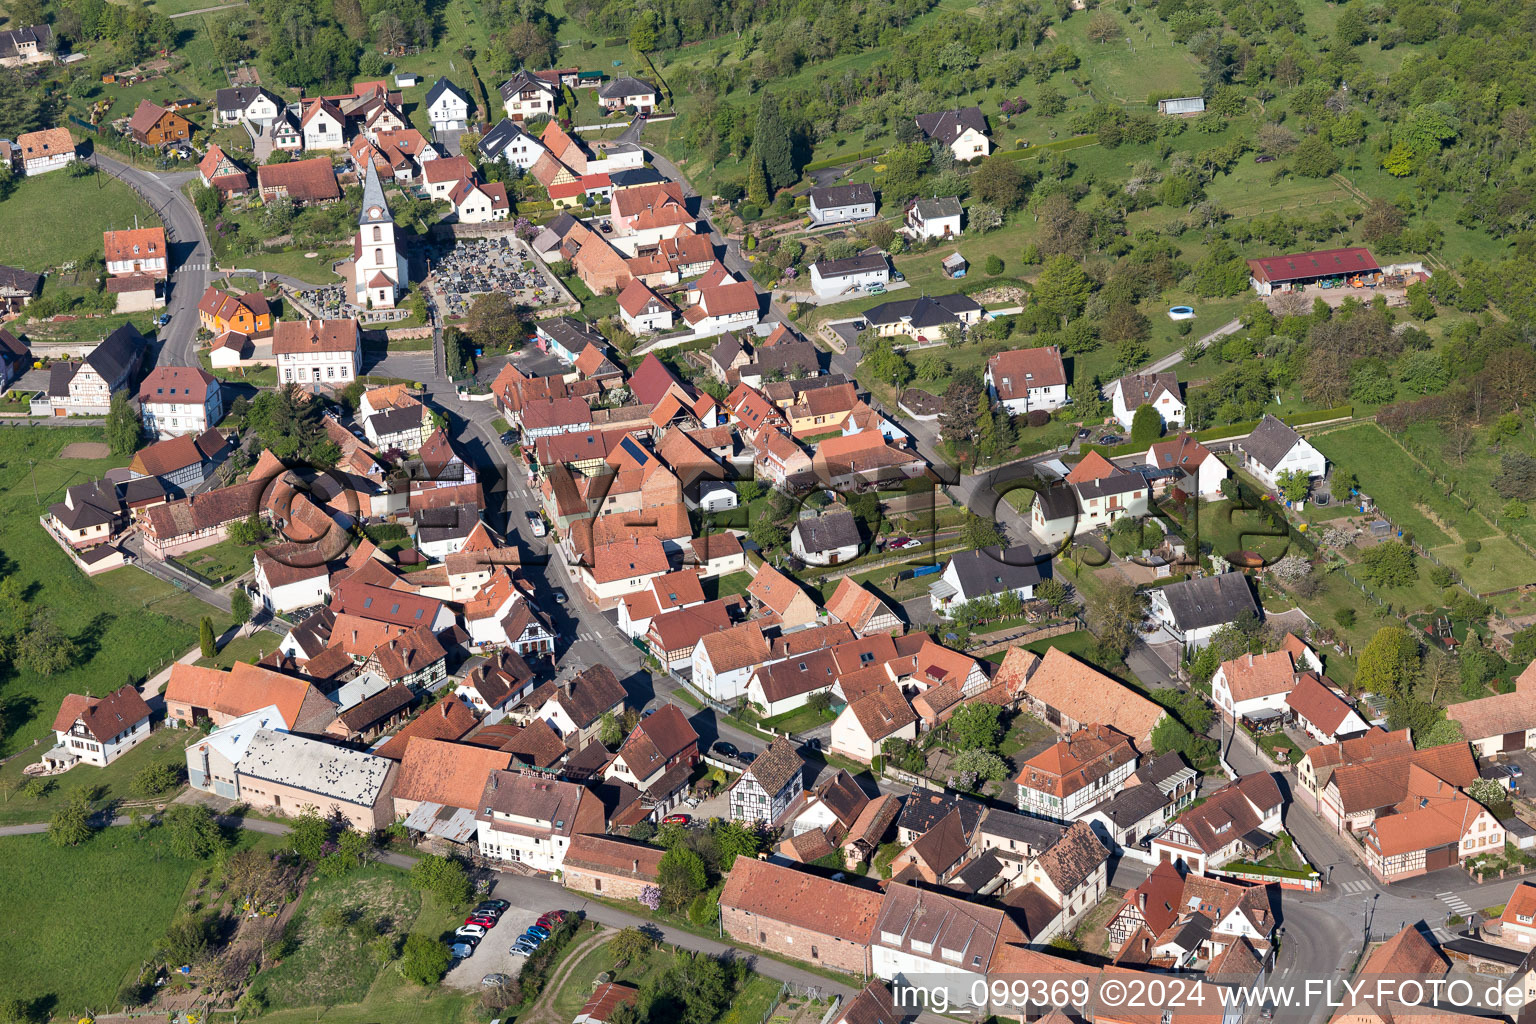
495	782
444	706
1141	901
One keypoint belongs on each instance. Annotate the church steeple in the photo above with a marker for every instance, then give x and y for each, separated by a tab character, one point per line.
375	208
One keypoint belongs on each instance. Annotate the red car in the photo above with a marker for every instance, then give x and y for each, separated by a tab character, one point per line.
551	919
483	920
677	819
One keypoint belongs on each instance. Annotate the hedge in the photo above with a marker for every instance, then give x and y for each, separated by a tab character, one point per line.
846	158
1059	146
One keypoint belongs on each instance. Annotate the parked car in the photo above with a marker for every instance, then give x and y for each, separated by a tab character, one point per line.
1083	432
748	756
1265	158
536	523
495	979
724	749
902	543
500	906
561	597
1515	771
538	932
552	919
486	921
523	947
1111	439
462	950
470	931
677	819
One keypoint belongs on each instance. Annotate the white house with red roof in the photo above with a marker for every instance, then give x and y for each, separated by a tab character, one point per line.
1159	390
1198	471
97	730
642	310
721	303
1027	379
475	202
323	125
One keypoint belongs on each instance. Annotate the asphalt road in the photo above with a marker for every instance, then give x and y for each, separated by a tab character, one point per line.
190	255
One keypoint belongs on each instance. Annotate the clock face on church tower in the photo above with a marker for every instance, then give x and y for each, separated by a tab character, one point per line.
373	213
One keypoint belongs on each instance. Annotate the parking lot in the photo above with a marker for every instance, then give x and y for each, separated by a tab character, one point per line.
493	955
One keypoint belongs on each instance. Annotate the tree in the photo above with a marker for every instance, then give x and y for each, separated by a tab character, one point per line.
976	725
736	840
757	184
248	532
1062	288
630	945
445	879
42	647
240	605
983	764
493	321
154	779
1146	425
1390	564
681	875
1488	792
309	834
999	182
977	532
1420	306
124	432
1314	158
610	733
187	939
772	143
193	832
71	824
1104	26
1114	617
1294	484
424	960
206	638
1388	661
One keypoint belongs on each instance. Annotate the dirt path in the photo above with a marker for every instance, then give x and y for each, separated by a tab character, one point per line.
542	1011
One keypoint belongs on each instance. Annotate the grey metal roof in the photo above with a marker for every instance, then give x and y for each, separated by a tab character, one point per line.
1056	503
849	266
828	531
926	311
573	334
943	206
1269	442
1115	483
636	176
991	571
373	199
315	766
1210	601
451	523
1036	833
622	87
835	196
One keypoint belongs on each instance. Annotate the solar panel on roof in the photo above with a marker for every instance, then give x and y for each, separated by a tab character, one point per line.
635	451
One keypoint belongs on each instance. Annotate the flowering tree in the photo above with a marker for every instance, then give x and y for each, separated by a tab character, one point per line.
650	897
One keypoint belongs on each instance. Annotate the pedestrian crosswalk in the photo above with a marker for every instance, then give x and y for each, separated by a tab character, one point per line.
193	266
1456	904
1356	887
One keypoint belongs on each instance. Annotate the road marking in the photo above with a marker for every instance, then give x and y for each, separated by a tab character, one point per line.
1456	903
1357	886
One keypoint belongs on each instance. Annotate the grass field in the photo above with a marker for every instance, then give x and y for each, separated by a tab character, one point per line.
38	235
164	746
126	624
243	648
76	930
1397	485
334	924
85	331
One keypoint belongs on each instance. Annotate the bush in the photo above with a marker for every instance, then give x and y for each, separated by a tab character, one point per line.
424	959
994	264
1473	546
750	212
154	780
1037	417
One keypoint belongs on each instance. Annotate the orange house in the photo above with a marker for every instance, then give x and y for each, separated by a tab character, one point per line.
155	125
248	314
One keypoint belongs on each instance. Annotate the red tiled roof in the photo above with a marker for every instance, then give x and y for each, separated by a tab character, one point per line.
798	898
1327	263
1015	372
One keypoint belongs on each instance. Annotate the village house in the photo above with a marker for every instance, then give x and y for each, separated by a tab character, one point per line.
1239	820
195	693
526	96
1174	921
1076	772
1502	722
864	612
1435	825
393	417
610	866
177	400
575	707
46	150
932	218
500	684
324	125
136	251
988	573
220	311
643	217
964	131
440	787
921	933
830	538
288	585
799	915
830	278
217	171
246	103
1072	873
180	462
627	94
475	202
1192	611
304	182
529	819
657	758
1320	712
1273	449
98	730
156	126
317	351
769	786
642	311
839	204
721	303
870	719
508	142
84	387
22	46
447	107
723	662
1159	390
1027	379
1069	694
1197	471
924	319
273	770
1255	686
863	461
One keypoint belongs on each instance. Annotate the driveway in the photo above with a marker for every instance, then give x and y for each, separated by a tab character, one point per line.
493	955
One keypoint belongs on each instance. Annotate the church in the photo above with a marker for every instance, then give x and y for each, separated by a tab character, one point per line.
376	259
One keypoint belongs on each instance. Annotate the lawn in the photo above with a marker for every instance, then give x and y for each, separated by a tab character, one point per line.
33	220
84	918
335	924
83	331
221	562
164	746
243	648
126	624
756	1000
799	720
1227	529
578	984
